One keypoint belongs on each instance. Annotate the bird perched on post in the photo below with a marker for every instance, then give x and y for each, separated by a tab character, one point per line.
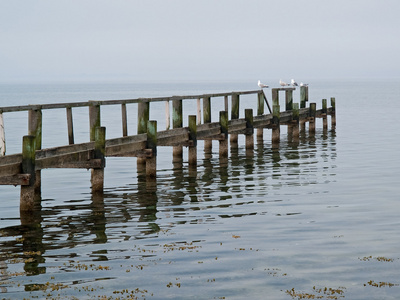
261	85
293	83
282	83
303	84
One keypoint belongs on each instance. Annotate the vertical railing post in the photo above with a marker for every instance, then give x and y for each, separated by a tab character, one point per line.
124	120
260	112
28	197
234	115
167	116
333	113
193	141
2	136
70	125
288	99
177	122
223	142
151	162
324	114
303	96
94	118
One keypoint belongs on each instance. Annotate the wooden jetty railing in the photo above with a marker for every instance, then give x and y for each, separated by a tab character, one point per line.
24	169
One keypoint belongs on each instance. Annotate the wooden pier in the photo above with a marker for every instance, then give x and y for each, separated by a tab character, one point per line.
24	169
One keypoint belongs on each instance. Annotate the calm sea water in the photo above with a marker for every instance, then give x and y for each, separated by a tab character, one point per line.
317	218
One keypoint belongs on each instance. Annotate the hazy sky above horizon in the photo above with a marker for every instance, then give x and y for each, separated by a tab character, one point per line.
198	40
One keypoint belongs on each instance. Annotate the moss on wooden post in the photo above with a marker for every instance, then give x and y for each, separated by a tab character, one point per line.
151	162
303	96
289	99
27	199
177	122
223	143
94	118
193	140
275	98
143	116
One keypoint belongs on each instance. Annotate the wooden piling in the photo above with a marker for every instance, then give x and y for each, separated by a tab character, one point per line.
295	122
124	120
303	96
288	100
311	124
199	111
260	112
167	116
70	125
333	113
324	114
35	129
223	143
249	129
193	140
177	122
234	115
2	136
207	119
97	176
276	123
143	118
94	118
151	162
27	199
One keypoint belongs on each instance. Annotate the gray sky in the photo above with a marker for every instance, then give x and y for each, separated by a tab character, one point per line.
198	40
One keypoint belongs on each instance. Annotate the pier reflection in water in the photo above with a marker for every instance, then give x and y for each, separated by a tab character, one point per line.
163	232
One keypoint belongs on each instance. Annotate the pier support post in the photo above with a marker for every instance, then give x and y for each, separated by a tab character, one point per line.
276	132
234	115
143	118
207	119
151	162
288	100
28	199
303	96
260	112
124	120
295	122
35	129
333	113
177	122
324	115
193	141
97	178
223	143
311	124
94	118
249	129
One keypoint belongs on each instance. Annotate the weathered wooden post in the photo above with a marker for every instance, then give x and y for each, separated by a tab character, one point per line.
2	136
260	112
70	125
28	199
177	122
276	132
249	129
234	115
124	120
167	116
223	143
324	115
226	103
151	162
199	111
303	96
35	129
94	118
311	124
97	176
288	99
295	122
333	113
193	141
143	118
207	119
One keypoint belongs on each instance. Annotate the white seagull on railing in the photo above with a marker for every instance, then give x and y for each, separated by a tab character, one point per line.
261	85
293	83
303	84
282	83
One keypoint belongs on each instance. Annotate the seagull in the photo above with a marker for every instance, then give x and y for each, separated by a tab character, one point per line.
261	85
282	83
303	84
293	83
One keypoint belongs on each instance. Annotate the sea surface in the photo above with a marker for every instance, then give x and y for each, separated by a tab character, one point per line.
317	218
